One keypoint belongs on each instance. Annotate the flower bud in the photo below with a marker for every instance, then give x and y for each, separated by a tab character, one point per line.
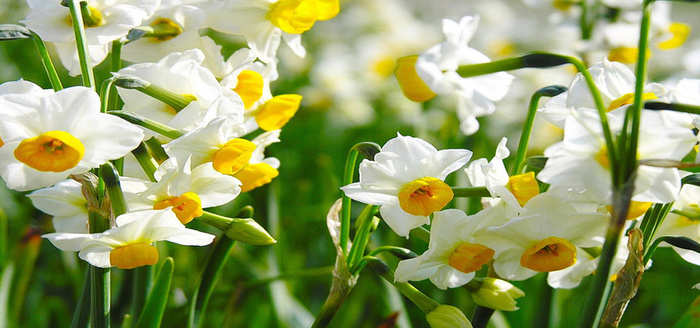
447	316
250	232
497	294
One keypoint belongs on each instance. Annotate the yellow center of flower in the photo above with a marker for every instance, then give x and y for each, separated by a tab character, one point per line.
249	87
165	29
186	207
233	155
679	32
133	256
255	175
628	99
626	55
2	143
53	151
524	187
602	157
298	16
276	112
412	86
384	66
424	196
91	18
550	254
470	257
635	210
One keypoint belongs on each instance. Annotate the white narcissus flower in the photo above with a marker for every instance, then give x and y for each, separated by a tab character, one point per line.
546	237
182	24
581	160
130	243
66	203
181	73
48	136
684	221
264	23
453	257
434	72
187	191
406	179
109	20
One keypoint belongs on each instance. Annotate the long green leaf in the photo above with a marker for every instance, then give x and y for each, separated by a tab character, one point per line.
5	285
152	313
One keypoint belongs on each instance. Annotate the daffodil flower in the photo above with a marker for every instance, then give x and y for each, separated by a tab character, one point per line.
546	237
265	23
185	190
406	179
108	20
453	257
130	243
434	72
581	160
183	74
48	136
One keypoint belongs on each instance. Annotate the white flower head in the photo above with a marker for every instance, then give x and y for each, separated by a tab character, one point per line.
406	179
129	244
187	191
437	68
48	136
453	257
546	237
581	160
109	20
181	73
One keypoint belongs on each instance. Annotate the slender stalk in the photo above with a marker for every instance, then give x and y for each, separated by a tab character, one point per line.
425	303
481	316
47	62
147	123
549	91
623	187
105	94
477	192
157	150
362	237
81	316
77	9
348	177
143	280
146	161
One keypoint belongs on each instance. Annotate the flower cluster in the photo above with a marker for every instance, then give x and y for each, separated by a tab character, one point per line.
196	117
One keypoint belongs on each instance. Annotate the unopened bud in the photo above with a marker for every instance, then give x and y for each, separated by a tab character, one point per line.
250	232
447	316
497	294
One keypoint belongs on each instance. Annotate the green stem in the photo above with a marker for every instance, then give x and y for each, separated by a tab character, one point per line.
422	233
549	91
99	291
77	10
655	219
348	177
47	62
143	280
623	186
425	303
469	192
156	149
676	107
544	60
147	123
481	316
146	161
116	197
105	94
81	316
362	236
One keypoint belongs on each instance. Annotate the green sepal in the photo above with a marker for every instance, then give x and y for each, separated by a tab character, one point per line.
152	313
693	179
